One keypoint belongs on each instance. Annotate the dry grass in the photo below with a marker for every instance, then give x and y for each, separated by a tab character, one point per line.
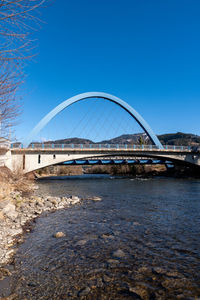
5	183
5	190
10	182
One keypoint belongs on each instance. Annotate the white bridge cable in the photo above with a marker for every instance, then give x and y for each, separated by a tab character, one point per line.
86	116
113	119
98	126
99	133
70	115
120	123
107	123
101	120
87	129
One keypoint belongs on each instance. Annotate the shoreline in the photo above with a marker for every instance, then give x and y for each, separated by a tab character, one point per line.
17	213
17	216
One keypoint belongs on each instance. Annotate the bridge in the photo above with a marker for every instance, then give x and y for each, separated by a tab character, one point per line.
36	157
29	157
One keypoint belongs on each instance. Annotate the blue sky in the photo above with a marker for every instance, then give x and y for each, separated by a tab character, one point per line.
145	52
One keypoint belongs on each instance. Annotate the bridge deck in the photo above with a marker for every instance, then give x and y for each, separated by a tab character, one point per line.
99	147
37	156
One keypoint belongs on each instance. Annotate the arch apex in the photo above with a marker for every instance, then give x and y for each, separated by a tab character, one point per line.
88	95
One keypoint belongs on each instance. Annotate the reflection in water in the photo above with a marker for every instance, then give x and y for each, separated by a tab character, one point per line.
140	242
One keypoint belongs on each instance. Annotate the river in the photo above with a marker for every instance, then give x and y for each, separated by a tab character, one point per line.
141	241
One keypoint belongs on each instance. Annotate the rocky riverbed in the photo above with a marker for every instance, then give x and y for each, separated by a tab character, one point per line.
140	242
15	214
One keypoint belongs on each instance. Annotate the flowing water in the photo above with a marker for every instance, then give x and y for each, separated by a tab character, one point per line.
141	241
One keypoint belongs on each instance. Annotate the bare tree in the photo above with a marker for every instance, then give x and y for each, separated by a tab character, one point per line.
17	23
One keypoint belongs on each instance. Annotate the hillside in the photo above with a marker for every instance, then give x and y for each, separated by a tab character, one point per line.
179	138
71	141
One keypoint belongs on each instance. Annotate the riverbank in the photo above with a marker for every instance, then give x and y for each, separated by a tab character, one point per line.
146	171
18	211
132	170
19	206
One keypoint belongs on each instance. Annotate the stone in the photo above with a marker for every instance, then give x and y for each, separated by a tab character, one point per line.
172	283
8	208
39	203
118	253
1	215
59	234
9	211
48	204
180	296
74	200
99	283
60	206
106	278
4	272
74	197
136	223
113	261
54	200
139	292
95	198
107	236
173	274
84	292
81	242
23	221
159	270
35	187
14	232
4	203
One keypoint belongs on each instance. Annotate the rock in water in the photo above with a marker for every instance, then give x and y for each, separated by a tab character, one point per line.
84	292
74	198
113	261
95	198
118	253
59	234
81	243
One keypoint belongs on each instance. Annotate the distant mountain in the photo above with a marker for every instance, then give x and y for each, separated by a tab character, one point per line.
127	139
179	138
123	139
71	141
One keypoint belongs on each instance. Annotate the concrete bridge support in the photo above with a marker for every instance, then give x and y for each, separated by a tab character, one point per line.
30	160
33	161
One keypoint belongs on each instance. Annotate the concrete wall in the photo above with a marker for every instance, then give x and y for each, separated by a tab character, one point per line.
32	161
6	159
27	161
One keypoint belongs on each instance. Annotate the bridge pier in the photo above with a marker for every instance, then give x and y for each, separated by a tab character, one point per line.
6	158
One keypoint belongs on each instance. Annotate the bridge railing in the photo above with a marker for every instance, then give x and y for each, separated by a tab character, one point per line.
124	147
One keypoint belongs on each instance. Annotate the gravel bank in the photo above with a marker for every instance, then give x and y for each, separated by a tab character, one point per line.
16	212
